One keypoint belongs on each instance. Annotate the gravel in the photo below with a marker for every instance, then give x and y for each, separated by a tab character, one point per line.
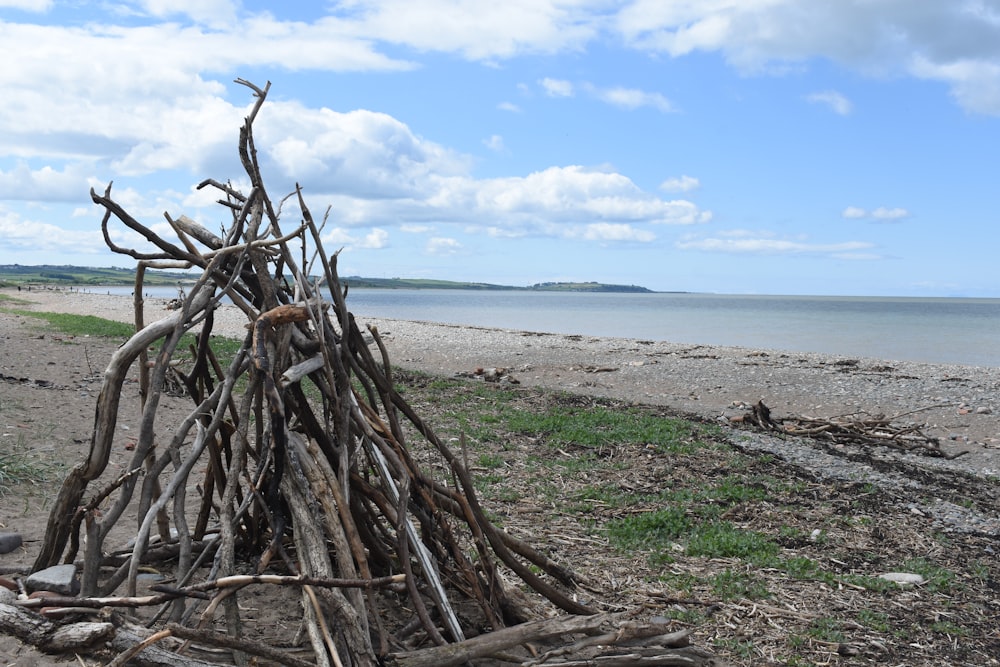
957	404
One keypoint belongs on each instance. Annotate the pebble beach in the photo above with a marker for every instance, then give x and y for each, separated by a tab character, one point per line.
959	405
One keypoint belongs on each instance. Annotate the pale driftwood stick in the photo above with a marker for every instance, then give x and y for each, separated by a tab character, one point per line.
300	370
499	640
49	637
680	657
196	230
106	418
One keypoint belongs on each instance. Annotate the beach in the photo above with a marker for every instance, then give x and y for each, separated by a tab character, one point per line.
960	405
849	511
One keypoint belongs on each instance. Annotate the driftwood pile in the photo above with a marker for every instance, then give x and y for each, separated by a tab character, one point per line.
296	467
853	429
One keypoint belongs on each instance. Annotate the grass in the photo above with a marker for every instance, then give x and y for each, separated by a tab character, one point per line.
20	465
80	325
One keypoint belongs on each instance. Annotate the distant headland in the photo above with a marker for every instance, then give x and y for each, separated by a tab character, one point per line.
83	276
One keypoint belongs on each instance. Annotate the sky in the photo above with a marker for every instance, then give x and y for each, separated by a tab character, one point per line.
828	147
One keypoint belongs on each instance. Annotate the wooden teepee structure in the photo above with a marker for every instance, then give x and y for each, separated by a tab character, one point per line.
303	452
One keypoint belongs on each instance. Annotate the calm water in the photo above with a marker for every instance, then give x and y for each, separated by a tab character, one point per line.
937	330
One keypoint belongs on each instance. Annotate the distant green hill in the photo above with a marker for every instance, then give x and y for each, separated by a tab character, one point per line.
16	274
422	283
586	287
46	274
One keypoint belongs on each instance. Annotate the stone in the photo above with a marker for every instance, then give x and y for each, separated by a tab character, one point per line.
9	542
60	579
903	578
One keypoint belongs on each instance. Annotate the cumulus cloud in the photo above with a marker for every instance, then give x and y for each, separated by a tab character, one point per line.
854	213
18	235
680	184
837	102
509	106
376	239
952	42
360	153
568	194
71	183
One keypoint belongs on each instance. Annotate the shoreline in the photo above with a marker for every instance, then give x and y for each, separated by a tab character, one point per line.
958	404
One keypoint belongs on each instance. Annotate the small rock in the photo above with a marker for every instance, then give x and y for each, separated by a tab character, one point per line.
983	410
9	542
58	578
903	578
7	596
9	584
848	650
813	536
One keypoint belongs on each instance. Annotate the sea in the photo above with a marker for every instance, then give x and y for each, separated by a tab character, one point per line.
963	331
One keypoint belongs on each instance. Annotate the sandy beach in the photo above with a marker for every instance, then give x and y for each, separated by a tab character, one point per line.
958	404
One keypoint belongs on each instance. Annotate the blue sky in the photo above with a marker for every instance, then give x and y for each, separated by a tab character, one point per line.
737	146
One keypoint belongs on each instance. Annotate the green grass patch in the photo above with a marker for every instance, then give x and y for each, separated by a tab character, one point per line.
730	585
938	579
597	427
81	325
19	465
720	539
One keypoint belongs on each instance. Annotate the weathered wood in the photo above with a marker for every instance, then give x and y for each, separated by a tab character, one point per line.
309	471
51	637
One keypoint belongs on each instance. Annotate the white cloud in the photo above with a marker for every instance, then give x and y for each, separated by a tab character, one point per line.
603	231
883	213
680	184
975	82
557	87
476	30
631	98
18	235
416	229
376	239
494	143
443	246
743	242
71	183
952	42
509	106
569	194
837	102
621	97
363	154
216	13
27	5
